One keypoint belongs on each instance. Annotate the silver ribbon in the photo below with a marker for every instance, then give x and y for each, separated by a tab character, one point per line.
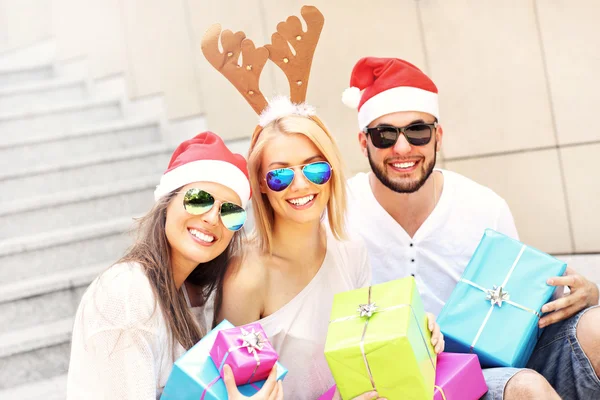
367	311
497	296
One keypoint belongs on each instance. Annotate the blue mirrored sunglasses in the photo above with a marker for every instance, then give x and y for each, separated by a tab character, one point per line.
280	179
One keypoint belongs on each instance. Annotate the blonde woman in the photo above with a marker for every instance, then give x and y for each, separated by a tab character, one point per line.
299	256
296	261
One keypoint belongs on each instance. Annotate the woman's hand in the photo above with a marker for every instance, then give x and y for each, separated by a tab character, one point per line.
271	390
372	395
437	339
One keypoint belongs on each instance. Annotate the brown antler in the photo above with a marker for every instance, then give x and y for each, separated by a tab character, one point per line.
297	67
244	77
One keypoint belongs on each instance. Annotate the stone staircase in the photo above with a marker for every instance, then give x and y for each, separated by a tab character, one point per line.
78	162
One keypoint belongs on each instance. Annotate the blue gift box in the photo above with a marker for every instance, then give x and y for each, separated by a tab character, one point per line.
495	307
195	374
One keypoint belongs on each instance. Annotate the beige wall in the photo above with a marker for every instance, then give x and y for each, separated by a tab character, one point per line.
23	22
517	79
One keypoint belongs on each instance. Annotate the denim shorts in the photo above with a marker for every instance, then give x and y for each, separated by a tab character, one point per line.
560	359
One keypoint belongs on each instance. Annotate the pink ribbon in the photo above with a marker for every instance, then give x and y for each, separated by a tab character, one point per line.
252	351
255	387
208	387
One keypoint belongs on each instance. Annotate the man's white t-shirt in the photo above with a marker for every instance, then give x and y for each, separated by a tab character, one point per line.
442	247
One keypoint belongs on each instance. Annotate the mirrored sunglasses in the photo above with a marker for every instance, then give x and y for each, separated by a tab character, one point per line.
280	179
198	202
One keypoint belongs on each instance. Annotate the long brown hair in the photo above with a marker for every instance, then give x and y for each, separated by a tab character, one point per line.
153	252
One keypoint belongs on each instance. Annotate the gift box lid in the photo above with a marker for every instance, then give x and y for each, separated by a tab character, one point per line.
503	289
245	347
398	298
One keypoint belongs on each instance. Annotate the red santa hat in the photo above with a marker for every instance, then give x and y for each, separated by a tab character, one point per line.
205	158
389	85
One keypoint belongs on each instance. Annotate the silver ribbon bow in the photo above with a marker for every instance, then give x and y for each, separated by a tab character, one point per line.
253	341
497	296
366	310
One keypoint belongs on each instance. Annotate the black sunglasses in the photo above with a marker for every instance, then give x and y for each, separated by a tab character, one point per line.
385	136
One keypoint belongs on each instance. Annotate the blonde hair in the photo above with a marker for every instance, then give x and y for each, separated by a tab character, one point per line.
316	132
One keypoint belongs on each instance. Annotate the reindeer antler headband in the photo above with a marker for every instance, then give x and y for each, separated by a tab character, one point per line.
245	76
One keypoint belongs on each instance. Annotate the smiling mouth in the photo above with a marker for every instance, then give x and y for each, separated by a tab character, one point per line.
201	236
405	166
302	202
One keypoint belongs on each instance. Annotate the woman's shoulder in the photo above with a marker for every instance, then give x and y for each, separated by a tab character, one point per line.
245	279
124	272
246	271
121	296
349	247
127	279
352	261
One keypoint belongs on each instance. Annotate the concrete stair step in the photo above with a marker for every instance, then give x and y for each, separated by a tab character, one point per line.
21	153
58	118
17	75
28	97
48	389
36	353
33	301
63	249
71	174
39	213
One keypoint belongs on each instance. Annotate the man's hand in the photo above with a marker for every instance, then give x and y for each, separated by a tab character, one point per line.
583	294
437	338
271	390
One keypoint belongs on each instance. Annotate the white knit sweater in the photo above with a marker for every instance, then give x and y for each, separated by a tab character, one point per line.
120	347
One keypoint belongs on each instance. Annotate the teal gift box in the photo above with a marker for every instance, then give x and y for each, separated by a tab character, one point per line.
495	307
195	376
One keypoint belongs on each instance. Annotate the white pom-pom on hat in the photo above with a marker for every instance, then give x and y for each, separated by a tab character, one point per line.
351	97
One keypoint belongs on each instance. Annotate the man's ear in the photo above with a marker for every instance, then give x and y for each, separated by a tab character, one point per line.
363	142
439	134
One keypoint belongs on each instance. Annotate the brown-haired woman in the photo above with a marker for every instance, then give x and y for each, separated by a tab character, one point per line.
135	320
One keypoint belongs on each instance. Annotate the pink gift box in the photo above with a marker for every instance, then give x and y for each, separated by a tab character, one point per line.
459	377
247	350
328	395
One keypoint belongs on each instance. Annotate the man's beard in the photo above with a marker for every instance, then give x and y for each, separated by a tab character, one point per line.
405	187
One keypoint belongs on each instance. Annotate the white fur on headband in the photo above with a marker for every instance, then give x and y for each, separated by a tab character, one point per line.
282	106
